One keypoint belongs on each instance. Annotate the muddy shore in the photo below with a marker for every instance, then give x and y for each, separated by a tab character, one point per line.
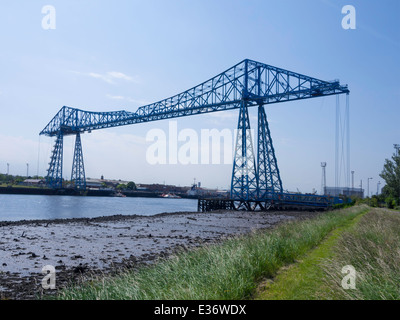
81	248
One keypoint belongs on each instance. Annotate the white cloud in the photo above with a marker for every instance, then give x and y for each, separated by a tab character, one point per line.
111	76
119	75
138	102
100	76
115	97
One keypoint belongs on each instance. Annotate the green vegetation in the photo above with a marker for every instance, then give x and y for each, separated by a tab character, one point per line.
372	247
370	244
129	186
304	280
230	270
391	174
7	180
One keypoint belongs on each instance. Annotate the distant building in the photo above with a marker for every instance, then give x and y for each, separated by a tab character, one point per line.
34	182
94	183
202	192
103	183
339	191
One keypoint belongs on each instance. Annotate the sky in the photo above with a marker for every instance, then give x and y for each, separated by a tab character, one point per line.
120	55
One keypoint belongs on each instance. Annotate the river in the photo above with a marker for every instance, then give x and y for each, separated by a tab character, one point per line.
32	207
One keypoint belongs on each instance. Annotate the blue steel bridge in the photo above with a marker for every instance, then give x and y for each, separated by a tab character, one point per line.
256	180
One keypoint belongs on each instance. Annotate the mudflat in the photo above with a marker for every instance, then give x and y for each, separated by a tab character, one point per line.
81	248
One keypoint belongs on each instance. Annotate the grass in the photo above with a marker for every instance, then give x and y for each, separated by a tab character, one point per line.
370	244
373	249
304	280
230	270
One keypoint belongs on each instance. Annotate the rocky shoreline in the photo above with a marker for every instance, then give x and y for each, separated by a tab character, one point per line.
83	248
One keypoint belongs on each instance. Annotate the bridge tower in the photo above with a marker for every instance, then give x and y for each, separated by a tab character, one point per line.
54	173
244	174
269	178
254	179
78	178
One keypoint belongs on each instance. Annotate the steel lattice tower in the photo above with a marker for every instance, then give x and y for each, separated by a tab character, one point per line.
244	175
54	173
269	179
78	178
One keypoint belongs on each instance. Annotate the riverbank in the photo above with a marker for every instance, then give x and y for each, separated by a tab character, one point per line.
85	247
228	270
89	193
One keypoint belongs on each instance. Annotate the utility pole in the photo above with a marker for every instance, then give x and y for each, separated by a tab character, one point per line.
368	186
323	182
27	170
352	180
377	187
8	168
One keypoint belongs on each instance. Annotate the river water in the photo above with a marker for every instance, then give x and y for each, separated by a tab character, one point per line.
32	207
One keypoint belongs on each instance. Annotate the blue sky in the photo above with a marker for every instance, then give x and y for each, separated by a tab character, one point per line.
113	55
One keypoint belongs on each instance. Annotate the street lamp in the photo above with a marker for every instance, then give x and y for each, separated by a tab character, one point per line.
368	186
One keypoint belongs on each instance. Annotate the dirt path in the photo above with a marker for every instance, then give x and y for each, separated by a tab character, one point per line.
82	247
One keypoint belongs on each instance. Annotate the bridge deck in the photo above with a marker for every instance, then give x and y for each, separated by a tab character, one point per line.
277	202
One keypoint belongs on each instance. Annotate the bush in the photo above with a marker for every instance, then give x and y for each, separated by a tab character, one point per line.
374	202
391	202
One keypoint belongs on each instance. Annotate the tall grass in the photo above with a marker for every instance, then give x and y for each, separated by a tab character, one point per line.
229	270
373	249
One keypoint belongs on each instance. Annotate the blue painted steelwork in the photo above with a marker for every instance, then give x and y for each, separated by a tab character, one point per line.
247	84
305	199
269	179
54	175
287	200
244	174
78	178
261	84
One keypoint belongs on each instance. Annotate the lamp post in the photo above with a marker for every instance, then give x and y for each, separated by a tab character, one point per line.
368	188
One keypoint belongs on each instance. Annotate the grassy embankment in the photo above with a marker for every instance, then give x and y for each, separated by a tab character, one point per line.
230	270
371	244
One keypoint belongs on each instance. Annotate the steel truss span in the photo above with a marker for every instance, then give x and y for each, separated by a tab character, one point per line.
247	84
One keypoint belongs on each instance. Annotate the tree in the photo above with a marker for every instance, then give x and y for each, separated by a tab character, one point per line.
391	175
121	186
131	185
